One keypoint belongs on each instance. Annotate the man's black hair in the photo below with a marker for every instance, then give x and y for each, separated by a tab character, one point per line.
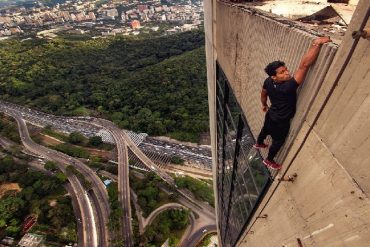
273	66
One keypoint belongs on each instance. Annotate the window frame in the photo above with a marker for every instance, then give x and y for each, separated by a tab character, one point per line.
235	182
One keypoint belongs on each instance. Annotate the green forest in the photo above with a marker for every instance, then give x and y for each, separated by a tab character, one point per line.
150	196
39	195
155	85
200	189
168	225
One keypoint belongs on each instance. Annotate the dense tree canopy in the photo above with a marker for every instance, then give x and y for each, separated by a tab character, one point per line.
167	225
115	216
95	141
154	85
9	128
72	150
200	189
51	166
76	138
33	199
150	196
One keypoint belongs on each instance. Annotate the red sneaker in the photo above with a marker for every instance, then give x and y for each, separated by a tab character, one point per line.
259	146
272	165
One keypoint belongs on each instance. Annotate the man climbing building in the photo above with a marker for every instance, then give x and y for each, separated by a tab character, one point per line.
281	88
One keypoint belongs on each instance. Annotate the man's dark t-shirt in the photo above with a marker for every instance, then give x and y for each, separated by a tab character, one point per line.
283	97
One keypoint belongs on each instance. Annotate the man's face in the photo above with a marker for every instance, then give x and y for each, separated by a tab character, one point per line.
282	74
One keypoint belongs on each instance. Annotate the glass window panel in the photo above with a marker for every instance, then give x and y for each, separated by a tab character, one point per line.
239	185
241	179
240	200
226	190
232	231
258	172
220	152
220	88
228	164
220	110
232	120
232	107
235	218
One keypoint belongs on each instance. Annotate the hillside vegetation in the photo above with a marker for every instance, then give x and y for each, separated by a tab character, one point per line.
37	191
153	85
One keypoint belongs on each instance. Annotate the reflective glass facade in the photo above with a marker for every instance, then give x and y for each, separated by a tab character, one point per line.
242	179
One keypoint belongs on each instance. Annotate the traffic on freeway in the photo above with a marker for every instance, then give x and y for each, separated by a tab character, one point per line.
93	218
197	156
125	141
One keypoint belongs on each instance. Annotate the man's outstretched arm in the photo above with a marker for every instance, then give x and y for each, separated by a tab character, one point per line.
309	58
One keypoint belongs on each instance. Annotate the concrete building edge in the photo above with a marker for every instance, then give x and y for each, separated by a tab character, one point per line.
211	86
212	105
355	190
338	62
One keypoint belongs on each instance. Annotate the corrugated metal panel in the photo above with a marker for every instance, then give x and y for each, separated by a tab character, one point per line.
247	41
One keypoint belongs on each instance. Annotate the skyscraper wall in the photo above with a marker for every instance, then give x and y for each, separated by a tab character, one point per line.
327	204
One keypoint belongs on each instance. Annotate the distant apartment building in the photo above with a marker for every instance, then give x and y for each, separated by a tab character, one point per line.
5	32
135	24
80	17
142	7
321	197
73	17
5	20
112	12
65	15
158	9
31	240
92	16
7	241
15	30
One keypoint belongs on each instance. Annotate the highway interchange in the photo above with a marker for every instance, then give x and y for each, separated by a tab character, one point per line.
195	155
93	205
89	221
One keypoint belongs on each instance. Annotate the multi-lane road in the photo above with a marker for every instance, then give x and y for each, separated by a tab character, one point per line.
94	206
158	149
206	220
123	177
87	217
98	198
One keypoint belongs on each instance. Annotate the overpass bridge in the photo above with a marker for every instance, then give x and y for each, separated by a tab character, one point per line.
128	149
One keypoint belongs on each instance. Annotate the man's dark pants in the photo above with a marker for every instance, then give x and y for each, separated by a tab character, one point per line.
278	130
